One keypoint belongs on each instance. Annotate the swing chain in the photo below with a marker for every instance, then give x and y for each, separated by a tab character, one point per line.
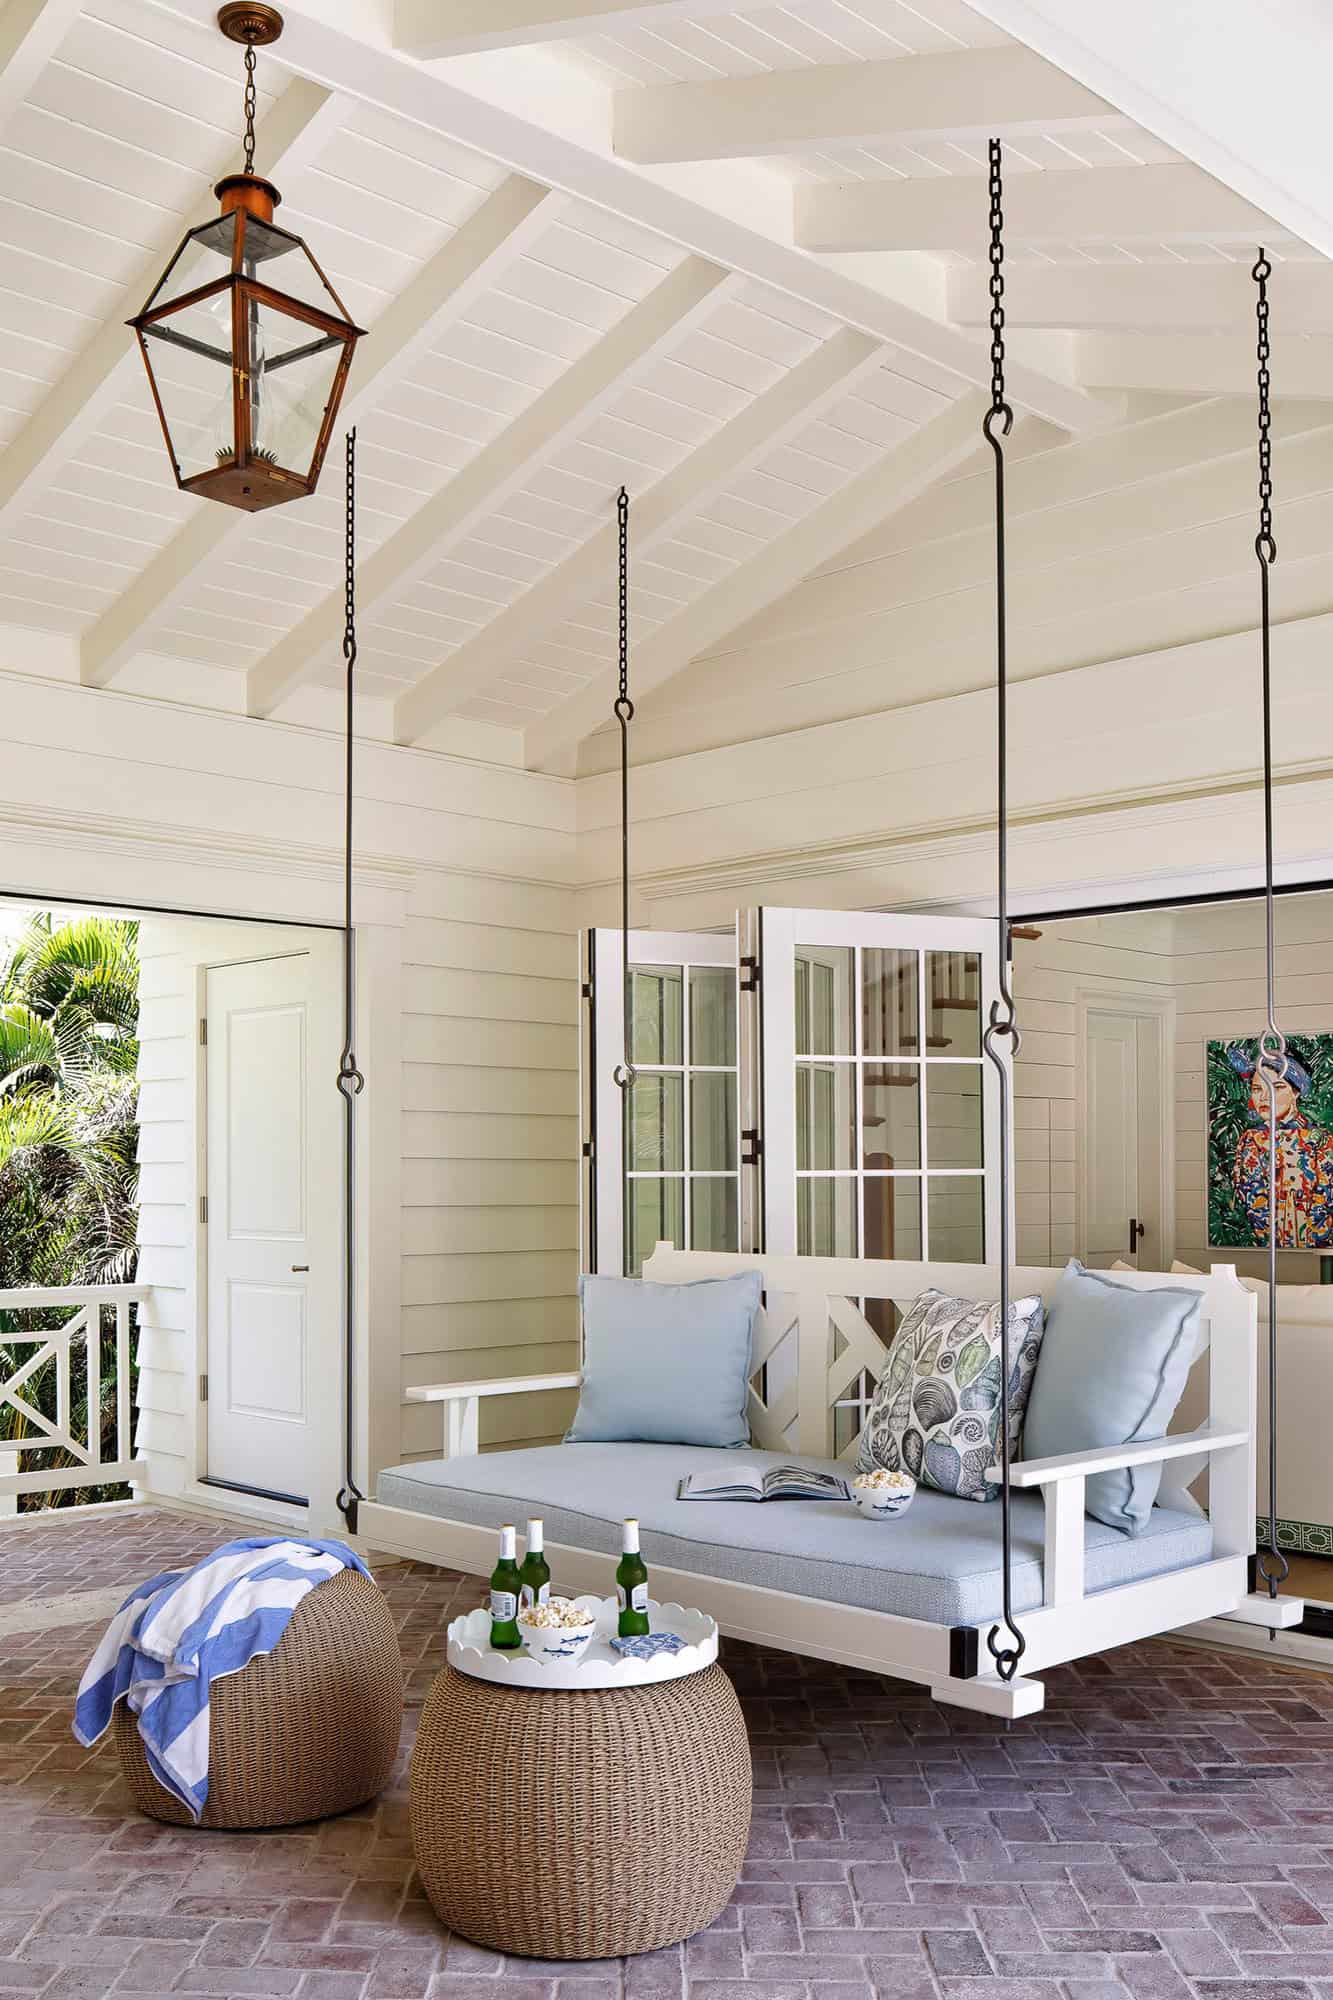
623	710
1272	1062
350	1080
251	106
1004	1641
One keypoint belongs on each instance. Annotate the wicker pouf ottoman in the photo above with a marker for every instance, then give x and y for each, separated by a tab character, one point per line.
310	1729
580	1824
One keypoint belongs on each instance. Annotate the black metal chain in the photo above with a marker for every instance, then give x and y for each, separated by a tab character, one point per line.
351	1082
251	105
1272	1062
623	710
1002	1026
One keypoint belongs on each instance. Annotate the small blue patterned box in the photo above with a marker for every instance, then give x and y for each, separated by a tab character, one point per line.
647	1645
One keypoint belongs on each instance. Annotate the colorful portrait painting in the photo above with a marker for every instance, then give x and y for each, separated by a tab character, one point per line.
1238	1172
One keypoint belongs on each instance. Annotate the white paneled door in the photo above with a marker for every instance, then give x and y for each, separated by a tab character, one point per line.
271	1234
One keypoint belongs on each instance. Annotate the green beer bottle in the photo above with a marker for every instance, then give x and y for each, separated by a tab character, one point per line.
632	1585
534	1578
504	1595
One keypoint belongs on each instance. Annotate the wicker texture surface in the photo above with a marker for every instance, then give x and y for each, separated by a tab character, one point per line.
307	1730
580	1824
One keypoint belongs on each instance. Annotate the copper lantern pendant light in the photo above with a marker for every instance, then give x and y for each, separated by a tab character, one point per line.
246	343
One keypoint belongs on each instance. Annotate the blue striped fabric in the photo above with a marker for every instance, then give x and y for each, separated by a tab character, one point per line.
178	1633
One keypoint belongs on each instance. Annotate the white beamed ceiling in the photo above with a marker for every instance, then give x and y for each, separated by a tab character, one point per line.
117	126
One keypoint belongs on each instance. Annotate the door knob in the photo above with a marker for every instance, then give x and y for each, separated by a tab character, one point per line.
300	1267
1137	1232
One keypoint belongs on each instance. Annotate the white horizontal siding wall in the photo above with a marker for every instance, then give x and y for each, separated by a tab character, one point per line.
490	1148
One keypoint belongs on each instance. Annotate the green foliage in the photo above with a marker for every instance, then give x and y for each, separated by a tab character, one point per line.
69	1007
1229	1116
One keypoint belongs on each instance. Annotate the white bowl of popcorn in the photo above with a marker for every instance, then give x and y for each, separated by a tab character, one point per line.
881	1494
560	1629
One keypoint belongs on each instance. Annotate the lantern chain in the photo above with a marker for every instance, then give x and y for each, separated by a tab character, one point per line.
251	105
623	710
1273	1063
1004	1641
351	1082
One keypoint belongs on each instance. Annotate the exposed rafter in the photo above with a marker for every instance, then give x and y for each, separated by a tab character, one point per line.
893	482
793	402
1101	577
952	95
296	128
674	305
1183	364
497	109
428	29
1157	298
1175	203
500	230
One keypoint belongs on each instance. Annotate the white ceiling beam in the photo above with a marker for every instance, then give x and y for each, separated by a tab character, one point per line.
551	125
1148	298
430	29
773	417
892	482
1153	204
485	482
30	33
1205	364
297	126
504	226
1133	572
957	94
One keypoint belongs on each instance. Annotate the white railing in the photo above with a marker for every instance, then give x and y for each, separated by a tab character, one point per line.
75	1352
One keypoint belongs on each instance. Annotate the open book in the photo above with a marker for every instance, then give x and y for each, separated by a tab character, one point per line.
780	1482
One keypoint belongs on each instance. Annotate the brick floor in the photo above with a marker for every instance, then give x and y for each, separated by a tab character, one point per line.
1163	1831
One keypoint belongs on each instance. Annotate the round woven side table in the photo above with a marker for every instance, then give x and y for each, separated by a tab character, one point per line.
582	1823
303	1732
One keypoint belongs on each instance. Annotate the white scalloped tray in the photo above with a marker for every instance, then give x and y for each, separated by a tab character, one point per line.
471	1652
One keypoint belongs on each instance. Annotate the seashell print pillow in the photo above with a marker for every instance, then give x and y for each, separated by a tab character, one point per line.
936	1412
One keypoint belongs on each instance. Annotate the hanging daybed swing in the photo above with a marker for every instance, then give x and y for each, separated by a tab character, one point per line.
1054	1585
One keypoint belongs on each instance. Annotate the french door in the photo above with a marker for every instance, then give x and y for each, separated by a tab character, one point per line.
665	1165
880	1112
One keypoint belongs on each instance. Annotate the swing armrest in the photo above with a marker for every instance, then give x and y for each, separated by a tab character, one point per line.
504	1385
1112	1458
462	1403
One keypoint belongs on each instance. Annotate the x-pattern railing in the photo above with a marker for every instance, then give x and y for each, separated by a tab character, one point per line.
74	1348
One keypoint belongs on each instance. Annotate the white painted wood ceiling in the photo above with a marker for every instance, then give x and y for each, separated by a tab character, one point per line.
529	352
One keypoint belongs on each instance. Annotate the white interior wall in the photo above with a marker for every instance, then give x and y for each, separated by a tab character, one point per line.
466	1008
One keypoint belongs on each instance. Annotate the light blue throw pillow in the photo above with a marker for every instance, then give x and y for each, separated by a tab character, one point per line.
1112	1369
666	1364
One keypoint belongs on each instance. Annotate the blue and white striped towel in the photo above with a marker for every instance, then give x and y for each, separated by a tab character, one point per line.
178	1633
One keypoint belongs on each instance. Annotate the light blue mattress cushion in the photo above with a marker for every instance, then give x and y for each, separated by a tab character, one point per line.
939	1561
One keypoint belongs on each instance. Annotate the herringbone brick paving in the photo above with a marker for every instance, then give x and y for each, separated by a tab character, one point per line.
1164	1831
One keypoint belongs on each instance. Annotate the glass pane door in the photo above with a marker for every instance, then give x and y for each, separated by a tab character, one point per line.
879	1125
665	1166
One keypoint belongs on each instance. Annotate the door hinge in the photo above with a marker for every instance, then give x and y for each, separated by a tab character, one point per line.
751	974
203	1388
203	1208
586	989
750	1137
589	1150
203	1032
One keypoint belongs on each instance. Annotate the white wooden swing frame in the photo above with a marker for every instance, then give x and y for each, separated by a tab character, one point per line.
815	1301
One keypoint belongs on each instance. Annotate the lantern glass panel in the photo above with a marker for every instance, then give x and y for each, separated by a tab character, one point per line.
292	370
281	261
190	355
